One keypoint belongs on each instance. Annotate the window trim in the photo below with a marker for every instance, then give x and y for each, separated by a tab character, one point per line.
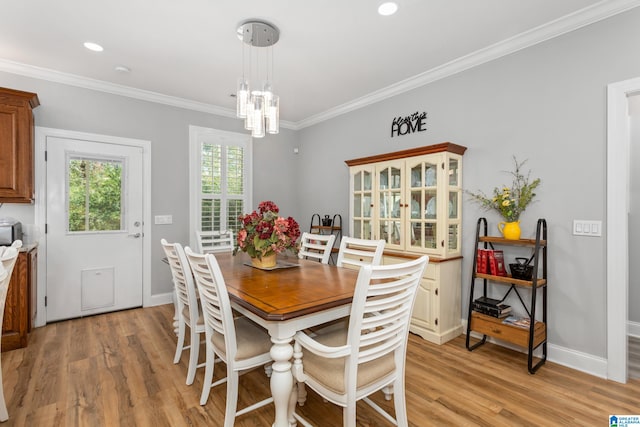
196	135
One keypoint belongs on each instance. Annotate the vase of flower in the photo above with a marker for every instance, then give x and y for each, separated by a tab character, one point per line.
267	261
510	202
510	230
263	234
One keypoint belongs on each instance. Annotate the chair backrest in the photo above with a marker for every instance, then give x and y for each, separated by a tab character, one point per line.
9	257
7	262
317	246
216	307
215	241
182	279
381	312
355	252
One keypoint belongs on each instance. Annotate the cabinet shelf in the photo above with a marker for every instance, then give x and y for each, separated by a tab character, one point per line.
530	337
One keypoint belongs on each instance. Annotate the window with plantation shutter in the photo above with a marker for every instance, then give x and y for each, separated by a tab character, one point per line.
220	168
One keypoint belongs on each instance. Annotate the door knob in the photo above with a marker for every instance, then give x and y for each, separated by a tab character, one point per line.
136	235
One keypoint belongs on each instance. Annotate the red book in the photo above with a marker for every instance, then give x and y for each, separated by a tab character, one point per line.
481	261
496	261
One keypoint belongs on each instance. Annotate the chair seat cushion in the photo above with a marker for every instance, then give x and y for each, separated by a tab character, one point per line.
330	372
187	317
251	339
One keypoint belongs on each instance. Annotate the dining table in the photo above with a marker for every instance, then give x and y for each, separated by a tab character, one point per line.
295	295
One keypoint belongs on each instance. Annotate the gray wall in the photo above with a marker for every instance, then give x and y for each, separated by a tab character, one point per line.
77	109
546	104
634	211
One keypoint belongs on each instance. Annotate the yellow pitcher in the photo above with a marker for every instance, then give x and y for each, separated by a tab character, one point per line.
510	230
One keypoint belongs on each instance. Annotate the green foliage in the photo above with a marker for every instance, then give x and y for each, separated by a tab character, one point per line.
510	202
95	195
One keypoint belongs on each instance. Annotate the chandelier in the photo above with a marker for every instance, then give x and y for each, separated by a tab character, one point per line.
256	102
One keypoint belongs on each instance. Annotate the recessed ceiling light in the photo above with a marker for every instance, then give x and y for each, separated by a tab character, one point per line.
388	8
122	69
93	46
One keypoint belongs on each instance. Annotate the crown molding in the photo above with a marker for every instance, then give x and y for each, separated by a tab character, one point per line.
116	89
589	15
581	18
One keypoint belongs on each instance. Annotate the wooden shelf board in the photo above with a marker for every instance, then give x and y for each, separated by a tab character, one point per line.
510	280
503	241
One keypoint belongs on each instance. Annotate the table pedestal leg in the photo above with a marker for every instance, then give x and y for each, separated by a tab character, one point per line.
281	379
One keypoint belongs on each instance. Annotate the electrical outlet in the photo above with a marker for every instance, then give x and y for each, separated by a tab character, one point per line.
163	219
583	227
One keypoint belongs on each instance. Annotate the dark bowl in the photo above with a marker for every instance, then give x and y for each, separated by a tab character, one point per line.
521	271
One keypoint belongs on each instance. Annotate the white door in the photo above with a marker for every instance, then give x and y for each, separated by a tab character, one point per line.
94	227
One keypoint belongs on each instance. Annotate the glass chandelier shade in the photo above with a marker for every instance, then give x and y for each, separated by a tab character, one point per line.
256	103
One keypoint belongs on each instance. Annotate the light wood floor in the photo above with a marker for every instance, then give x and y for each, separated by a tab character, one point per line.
116	370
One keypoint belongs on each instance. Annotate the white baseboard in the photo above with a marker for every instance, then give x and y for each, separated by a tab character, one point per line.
161	299
577	360
633	329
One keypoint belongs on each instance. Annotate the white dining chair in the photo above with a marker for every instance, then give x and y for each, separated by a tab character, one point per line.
7	262
9	265
215	241
238	342
189	313
349	364
316	246
355	253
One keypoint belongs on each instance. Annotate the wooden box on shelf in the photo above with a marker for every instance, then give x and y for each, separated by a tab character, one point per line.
494	327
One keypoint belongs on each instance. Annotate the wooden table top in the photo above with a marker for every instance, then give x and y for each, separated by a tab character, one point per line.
286	293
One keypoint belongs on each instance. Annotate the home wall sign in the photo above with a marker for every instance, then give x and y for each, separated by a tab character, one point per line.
416	122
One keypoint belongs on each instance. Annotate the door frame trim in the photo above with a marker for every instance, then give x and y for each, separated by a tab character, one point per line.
618	146
40	206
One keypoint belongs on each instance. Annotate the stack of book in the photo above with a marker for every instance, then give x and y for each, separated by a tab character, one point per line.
491	307
490	261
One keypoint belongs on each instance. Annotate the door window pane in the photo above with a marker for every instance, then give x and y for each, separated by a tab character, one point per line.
94	194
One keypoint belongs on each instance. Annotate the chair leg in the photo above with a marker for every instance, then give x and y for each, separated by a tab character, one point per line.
292	404
232	398
388	392
180	343
208	375
349	414
4	415
268	370
400	404
193	355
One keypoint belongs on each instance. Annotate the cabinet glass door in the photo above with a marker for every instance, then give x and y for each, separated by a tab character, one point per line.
362	204
423	202
454	195
391	205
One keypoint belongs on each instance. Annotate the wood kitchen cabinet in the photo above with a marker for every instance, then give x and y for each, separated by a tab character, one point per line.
16	145
20	307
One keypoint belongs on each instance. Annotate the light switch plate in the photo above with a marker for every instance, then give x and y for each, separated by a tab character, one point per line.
163	219
583	227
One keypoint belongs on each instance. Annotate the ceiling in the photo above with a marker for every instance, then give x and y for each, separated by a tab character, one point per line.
333	55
